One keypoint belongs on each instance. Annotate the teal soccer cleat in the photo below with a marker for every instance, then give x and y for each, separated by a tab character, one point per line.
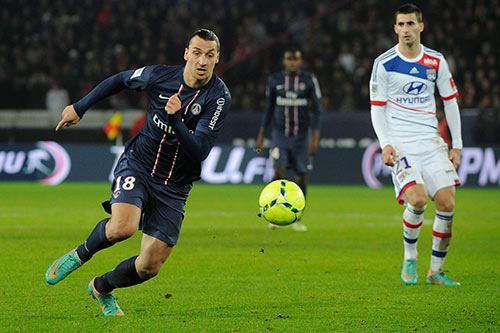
107	301
63	266
409	272
440	279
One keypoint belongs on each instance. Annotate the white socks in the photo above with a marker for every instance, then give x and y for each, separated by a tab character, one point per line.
412	223
441	236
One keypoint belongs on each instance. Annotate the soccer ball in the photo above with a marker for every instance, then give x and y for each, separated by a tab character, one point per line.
282	202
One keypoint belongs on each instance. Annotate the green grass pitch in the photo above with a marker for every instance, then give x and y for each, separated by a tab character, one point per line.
230	272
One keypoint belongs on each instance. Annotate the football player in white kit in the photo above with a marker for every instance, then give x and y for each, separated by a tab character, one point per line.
403	113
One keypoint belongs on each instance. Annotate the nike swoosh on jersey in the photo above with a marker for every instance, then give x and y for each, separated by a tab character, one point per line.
163	97
279	86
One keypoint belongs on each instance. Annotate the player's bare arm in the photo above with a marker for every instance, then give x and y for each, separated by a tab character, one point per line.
173	104
69	118
389	155
260	138
454	156
314	143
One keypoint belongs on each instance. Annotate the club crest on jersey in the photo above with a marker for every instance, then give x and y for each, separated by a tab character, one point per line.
195	109
302	86
431	74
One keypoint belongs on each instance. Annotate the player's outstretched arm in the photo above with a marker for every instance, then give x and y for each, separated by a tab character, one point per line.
69	118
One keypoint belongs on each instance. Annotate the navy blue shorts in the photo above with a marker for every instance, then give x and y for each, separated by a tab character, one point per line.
162	205
294	155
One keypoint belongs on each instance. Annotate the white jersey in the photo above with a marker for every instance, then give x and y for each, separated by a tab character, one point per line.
406	88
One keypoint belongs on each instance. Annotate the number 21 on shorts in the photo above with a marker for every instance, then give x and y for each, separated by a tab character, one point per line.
401	165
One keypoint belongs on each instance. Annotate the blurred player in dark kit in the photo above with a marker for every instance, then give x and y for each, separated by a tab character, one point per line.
293	108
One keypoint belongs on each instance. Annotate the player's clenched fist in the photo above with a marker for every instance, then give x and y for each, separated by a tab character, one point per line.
69	117
388	155
173	104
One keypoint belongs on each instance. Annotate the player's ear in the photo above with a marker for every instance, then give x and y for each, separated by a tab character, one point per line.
217	60
421	26
186	54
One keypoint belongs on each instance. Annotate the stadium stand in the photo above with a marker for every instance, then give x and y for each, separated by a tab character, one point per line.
80	43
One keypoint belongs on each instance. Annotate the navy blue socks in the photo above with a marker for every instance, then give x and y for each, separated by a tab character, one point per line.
95	242
124	275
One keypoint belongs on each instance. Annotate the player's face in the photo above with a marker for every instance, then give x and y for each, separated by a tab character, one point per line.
408	29
201	57
292	61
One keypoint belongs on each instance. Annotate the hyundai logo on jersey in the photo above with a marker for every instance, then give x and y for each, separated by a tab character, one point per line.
415	88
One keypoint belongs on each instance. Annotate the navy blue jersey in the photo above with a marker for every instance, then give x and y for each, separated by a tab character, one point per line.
293	105
169	147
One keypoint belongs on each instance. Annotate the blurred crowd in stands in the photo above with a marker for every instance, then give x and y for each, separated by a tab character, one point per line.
68	46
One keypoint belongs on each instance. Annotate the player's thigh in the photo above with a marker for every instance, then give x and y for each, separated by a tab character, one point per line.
124	221
153	254
300	158
416	195
162	217
445	199
130	193
438	171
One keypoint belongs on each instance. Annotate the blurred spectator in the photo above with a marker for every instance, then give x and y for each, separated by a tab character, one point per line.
56	99
86	43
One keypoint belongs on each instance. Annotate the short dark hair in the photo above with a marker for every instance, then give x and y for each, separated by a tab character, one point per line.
409	8
205	34
291	49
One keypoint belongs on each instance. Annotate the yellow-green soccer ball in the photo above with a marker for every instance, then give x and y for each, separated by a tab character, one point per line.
282	202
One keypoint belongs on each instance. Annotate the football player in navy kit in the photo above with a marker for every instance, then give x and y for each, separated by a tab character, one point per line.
293	107
154	175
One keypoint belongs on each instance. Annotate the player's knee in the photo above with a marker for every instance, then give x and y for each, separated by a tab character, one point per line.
419	202
118	229
301	178
447	205
279	173
148	270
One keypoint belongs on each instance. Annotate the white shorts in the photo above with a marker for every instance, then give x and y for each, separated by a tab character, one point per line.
422	162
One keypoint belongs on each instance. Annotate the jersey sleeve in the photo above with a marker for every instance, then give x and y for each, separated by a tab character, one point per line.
316	103
137	79
446	85
198	145
270	102
140	78
216	110
378	85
